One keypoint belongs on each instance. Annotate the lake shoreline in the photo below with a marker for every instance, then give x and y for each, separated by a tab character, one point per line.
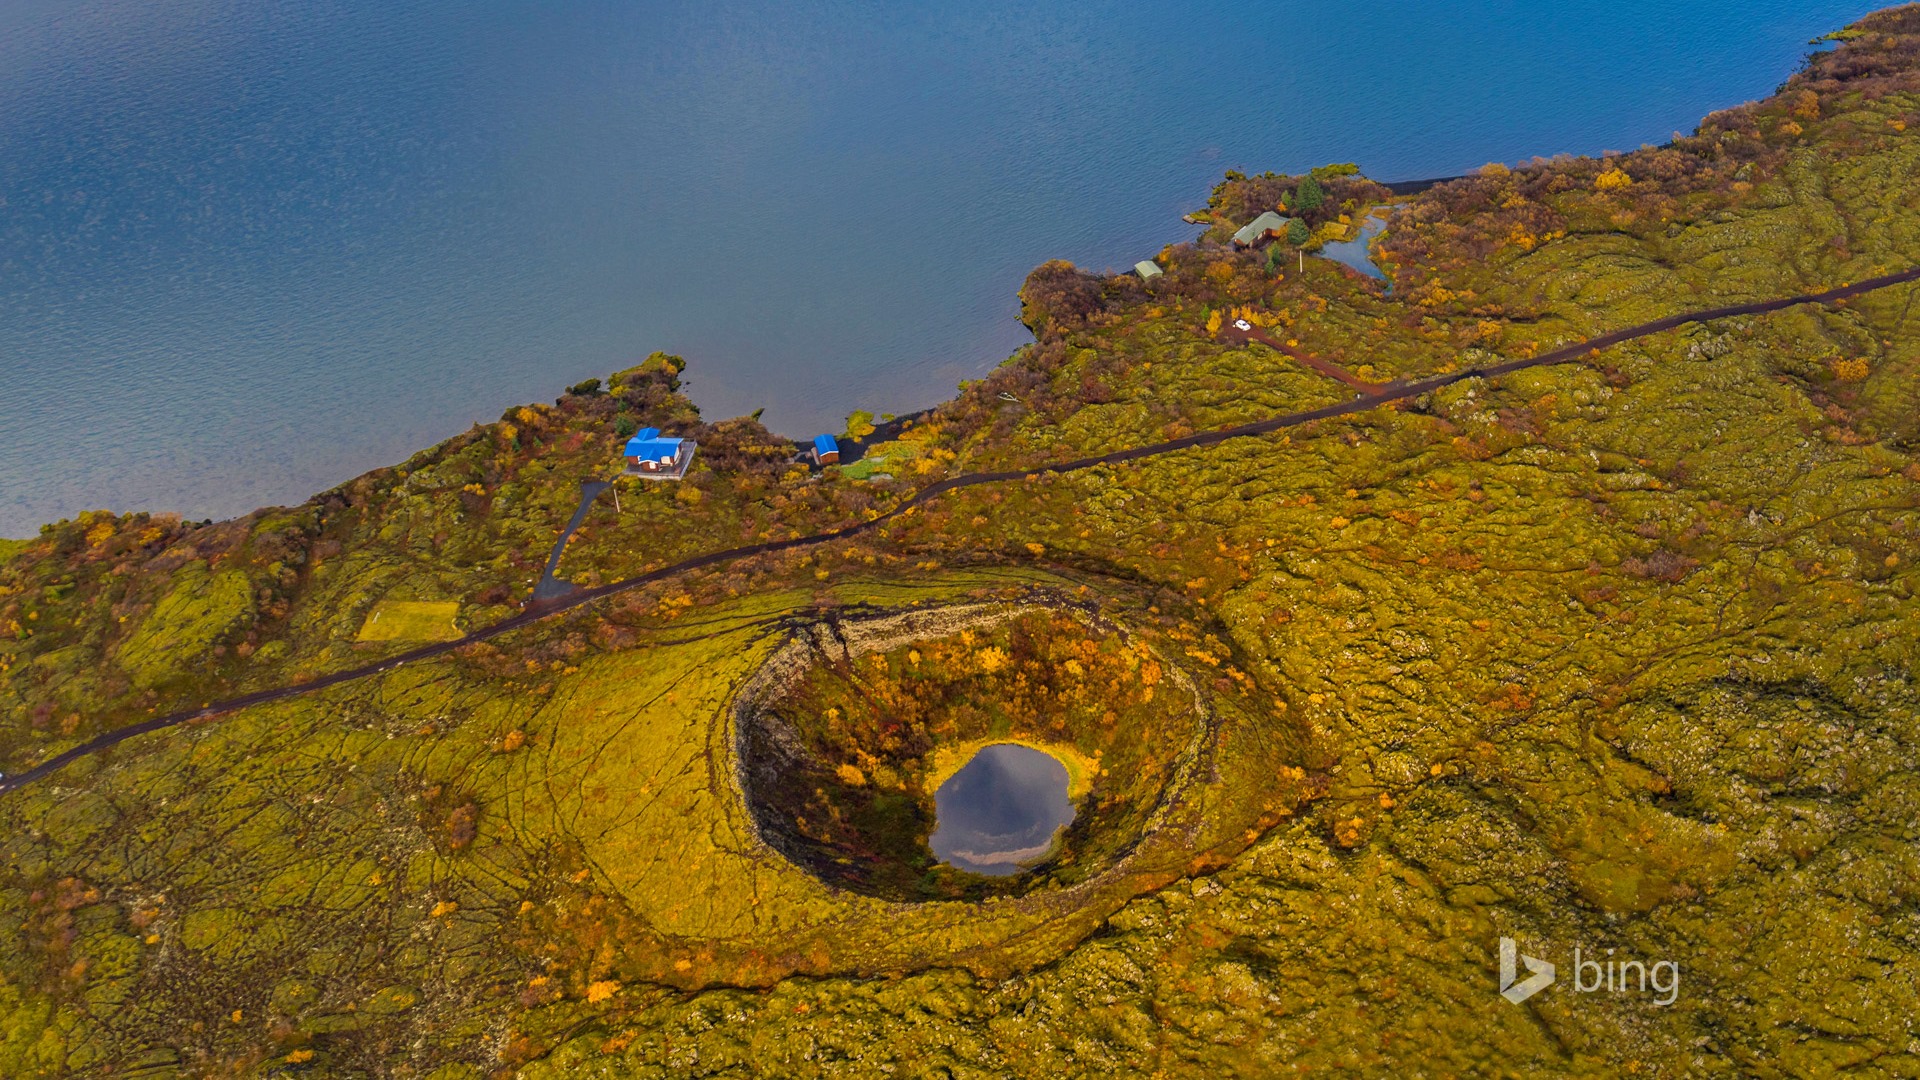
226	291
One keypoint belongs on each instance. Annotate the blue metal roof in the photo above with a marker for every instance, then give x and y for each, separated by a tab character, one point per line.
825	444
648	444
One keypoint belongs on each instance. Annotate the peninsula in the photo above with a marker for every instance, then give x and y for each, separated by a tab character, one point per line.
1503	665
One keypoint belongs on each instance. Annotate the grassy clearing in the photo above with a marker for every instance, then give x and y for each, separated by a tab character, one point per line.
412	620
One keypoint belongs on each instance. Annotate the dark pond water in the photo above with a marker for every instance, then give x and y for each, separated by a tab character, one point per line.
1001	810
1354	252
248	250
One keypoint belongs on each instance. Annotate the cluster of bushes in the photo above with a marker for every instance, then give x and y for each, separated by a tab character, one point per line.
1503	212
470	519
473	518
77	651
1877	56
862	742
1316	198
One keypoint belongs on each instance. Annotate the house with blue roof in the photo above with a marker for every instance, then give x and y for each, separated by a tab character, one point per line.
826	450
658	457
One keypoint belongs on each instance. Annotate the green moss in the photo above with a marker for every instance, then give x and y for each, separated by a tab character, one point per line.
202	610
843	763
1616	654
392	1000
411	620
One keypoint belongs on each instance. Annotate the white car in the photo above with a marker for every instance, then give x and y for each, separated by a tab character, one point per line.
1242	324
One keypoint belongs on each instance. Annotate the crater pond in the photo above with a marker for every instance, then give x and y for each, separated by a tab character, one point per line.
248	251
999	814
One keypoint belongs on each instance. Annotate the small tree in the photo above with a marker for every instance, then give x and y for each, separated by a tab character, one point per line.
1298	233
1614	179
1309	195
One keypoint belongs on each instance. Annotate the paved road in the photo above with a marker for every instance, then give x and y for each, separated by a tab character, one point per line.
551	587
545	609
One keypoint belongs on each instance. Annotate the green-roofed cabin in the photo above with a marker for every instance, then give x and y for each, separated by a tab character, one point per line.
1147	269
1257	232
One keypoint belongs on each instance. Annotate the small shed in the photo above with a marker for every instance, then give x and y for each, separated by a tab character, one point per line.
1260	230
826	450
1147	269
650	454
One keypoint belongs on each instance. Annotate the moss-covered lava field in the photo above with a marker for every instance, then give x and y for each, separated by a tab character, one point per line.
1617	654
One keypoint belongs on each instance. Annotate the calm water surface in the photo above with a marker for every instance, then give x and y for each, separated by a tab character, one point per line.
1357	252
248	250
1001	810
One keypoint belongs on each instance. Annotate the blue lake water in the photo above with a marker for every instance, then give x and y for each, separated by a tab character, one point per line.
249	250
1000	812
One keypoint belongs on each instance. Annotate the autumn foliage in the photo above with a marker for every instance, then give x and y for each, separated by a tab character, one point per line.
849	757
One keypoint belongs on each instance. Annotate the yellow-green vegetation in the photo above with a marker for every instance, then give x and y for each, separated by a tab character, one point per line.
947	760
412	620
197	613
859	721
1617	654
